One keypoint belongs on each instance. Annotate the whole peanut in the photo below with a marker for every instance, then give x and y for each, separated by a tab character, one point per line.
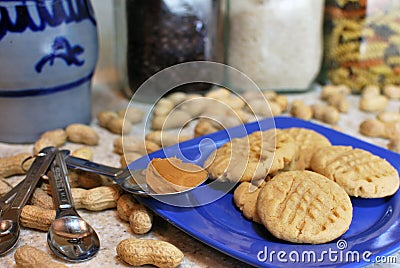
31	257
175	119
125	205
56	138
128	158
105	117
326	114
139	217
371	91
141	220
163	107
331	90
97	199
374	103
80	133
10	166
372	100
41	199
204	127
83	152
38	218
119	126
300	110
132	114
75	177
177	97
376	128
394	145
263	108
387	116
219	94
194	105
164	139
392	92
282	101
269	94
138	252
115	124
133	144
5	187
88	180
339	102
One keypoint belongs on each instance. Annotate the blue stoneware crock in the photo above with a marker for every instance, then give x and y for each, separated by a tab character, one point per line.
48	53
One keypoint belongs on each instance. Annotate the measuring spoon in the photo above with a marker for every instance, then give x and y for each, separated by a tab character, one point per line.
69	237
132	181
13	202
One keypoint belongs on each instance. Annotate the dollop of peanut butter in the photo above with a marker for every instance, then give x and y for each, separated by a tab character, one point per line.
171	175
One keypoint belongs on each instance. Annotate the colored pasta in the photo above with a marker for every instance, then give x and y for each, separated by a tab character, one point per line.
362	43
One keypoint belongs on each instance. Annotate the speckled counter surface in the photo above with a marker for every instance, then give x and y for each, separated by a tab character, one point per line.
112	230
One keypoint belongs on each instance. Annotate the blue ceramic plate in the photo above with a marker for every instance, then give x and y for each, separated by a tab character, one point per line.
374	233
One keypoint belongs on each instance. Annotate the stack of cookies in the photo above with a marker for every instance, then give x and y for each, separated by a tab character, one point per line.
298	185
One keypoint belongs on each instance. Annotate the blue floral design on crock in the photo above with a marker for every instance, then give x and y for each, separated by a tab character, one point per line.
49	16
61	49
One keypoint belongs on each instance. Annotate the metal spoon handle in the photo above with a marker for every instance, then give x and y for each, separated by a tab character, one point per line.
37	170
86	165
59	184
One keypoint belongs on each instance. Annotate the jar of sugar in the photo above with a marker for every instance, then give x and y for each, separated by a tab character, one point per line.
49	50
277	43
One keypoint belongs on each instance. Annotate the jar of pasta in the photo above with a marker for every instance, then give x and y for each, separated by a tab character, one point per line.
362	43
277	43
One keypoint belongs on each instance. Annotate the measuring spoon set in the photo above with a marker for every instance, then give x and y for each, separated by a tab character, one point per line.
69	237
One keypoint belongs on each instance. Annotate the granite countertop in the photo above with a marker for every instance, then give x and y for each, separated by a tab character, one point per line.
107	223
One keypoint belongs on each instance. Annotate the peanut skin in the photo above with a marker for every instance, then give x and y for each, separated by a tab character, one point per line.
134	144
99	198
139	217
79	133
41	199
56	138
376	128
300	110
31	257
10	166
132	114
5	187
38	218
138	252
115	124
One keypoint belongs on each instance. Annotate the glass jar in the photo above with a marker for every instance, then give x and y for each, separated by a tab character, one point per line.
362	43
277	43
155	34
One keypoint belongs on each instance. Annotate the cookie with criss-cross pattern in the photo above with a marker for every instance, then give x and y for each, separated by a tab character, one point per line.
252	157
304	207
307	143
359	172
245	198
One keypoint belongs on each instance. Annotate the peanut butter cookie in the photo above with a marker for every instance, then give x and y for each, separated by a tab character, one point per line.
358	172
252	157
245	198
307	143
304	207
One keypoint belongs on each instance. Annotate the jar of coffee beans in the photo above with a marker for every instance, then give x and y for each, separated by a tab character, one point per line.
155	34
